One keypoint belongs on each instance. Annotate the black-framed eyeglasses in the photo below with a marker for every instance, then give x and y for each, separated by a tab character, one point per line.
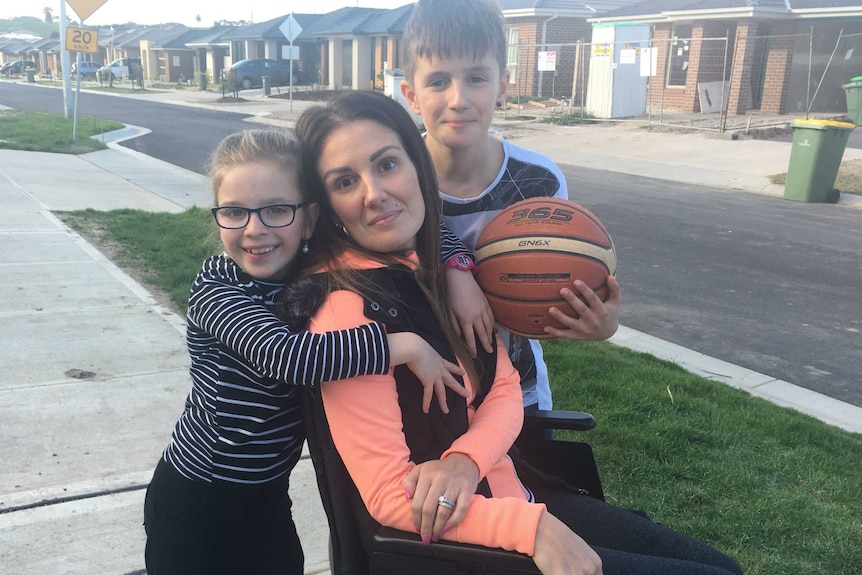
274	216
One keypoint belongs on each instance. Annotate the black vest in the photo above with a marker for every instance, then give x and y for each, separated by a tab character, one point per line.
402	306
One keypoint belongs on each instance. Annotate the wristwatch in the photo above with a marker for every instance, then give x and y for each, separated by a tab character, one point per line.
461	262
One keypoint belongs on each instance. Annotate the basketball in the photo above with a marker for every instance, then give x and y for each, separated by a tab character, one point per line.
533	249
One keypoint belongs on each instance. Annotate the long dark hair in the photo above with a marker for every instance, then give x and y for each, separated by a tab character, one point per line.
328	243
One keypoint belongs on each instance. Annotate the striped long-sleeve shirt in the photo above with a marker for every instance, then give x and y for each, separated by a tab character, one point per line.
242	421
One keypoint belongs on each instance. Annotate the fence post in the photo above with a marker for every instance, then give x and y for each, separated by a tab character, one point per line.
825	70
722	115
808	84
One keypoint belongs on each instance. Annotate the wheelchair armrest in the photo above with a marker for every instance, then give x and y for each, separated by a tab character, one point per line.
552	419
393	542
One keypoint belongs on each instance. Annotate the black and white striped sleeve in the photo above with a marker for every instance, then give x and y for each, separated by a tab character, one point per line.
255	333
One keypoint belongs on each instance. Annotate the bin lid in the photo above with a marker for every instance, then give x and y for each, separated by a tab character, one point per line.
856	79
822	124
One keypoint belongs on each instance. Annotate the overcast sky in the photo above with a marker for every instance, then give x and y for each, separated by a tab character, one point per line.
184	11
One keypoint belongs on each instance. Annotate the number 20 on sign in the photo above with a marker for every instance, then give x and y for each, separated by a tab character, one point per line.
82	40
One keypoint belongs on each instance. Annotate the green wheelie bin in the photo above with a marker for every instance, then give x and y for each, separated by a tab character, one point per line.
853	91
818	146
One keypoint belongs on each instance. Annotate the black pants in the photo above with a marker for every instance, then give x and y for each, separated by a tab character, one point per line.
197	528
629	543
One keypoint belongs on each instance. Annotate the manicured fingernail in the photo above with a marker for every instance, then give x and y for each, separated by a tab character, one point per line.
447	527
408	495
426	539
417	528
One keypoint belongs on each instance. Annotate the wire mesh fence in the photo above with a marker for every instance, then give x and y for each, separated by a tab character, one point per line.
736	82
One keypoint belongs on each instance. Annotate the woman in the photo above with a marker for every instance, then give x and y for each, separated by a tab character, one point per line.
444	475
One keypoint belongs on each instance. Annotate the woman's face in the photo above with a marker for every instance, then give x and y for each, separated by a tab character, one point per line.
372	186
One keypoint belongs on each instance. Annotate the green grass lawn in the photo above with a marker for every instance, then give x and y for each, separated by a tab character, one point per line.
47	132
779	491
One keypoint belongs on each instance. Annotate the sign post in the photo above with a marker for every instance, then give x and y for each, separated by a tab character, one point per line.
64	64
291	30
79	40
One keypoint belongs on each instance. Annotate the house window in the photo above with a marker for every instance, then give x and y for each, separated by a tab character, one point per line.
680	48
513	42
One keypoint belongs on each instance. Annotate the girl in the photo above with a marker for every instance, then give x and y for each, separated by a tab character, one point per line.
218	501
446	476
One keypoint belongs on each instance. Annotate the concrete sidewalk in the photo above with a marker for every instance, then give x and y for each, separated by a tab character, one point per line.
95	369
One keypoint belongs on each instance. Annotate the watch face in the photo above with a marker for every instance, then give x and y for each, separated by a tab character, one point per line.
463	261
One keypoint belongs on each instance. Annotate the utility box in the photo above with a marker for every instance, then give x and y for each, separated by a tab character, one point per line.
620	66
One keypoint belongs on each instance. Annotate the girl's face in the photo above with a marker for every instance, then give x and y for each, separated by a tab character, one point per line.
372	186
262	252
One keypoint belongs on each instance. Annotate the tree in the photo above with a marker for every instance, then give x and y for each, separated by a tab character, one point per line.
49	15
198	18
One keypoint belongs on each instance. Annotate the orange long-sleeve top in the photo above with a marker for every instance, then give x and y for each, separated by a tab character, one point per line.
365	422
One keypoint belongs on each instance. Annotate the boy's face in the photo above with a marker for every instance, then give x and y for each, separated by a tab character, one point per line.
456	97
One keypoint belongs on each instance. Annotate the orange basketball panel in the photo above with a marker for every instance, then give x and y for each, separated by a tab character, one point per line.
538	276
527	319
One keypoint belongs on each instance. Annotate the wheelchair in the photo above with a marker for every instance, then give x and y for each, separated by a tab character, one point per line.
359	545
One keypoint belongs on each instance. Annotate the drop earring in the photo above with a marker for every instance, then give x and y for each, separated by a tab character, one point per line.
305	249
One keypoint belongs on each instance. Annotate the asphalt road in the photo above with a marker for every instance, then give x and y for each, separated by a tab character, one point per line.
770	285
181	135
754	280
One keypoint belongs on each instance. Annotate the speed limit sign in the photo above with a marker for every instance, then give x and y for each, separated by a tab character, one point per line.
82	40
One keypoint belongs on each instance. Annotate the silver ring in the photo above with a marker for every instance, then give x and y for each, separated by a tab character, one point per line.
447	503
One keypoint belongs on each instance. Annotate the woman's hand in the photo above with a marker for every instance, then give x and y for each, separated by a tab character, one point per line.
434	372
559	551
454	477
595	320
470	312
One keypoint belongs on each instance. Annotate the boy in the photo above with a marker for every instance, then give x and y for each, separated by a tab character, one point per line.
454	61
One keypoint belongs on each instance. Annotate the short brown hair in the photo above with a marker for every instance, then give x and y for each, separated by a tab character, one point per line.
447	28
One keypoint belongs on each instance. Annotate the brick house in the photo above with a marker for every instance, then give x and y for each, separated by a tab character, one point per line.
535	26
770	47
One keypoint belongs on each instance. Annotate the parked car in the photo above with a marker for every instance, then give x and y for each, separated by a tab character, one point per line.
122	68
248	73
88	69
18	67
